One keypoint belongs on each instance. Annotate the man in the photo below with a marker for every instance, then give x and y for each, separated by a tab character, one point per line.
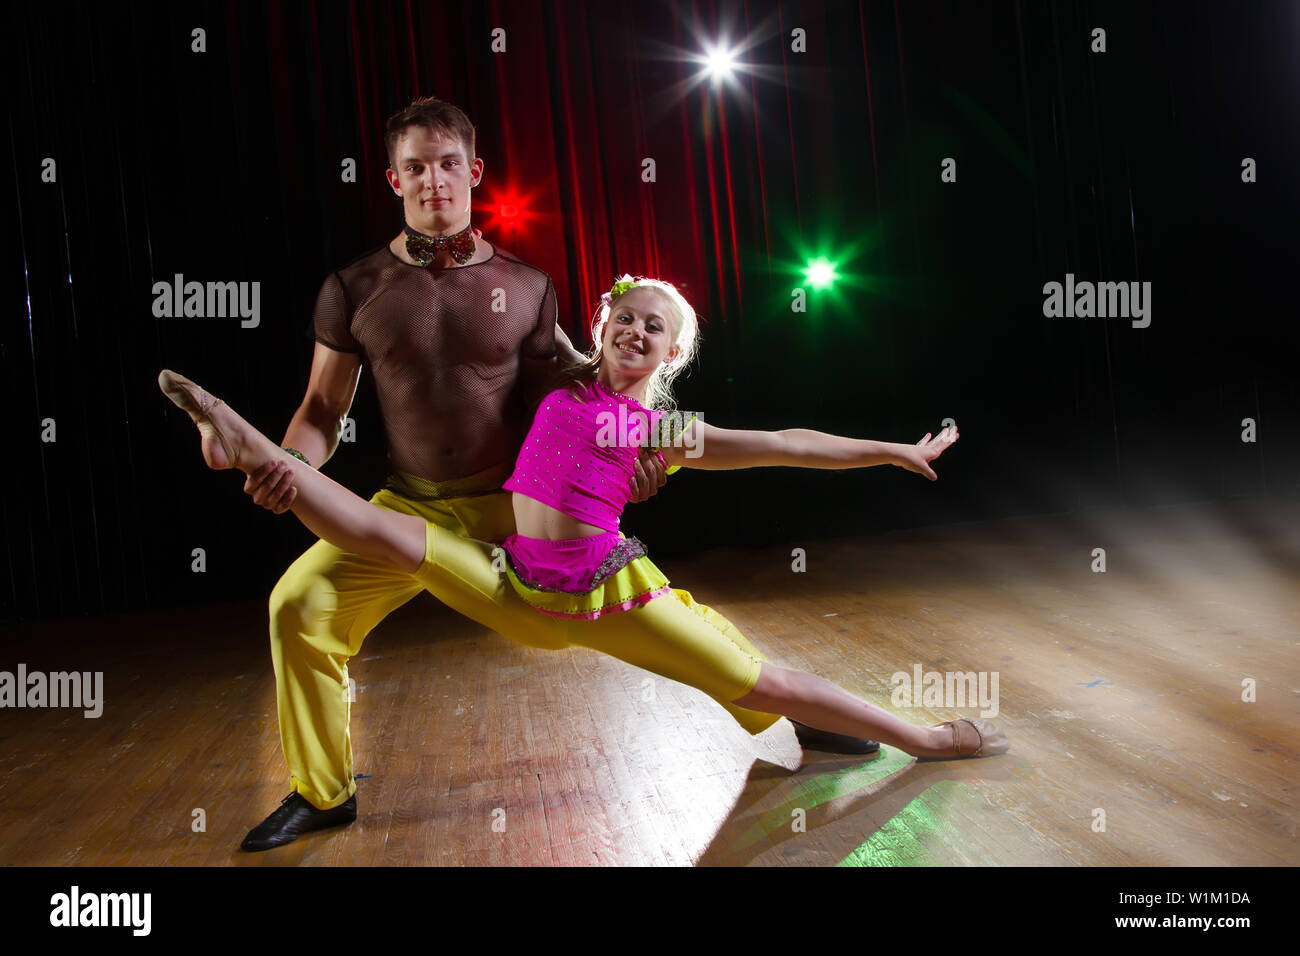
453	331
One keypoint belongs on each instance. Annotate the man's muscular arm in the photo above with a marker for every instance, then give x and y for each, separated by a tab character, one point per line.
315	427
545	352
564	348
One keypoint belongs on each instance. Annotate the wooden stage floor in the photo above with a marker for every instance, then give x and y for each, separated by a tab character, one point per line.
1121	691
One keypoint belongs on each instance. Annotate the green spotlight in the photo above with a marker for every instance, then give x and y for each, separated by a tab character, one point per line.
820	273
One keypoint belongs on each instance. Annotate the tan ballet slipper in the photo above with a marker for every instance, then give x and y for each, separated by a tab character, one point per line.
218	451
992	739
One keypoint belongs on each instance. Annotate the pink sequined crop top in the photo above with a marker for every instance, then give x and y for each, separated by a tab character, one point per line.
578	455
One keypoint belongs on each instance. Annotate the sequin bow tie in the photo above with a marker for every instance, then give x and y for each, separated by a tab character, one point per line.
424	249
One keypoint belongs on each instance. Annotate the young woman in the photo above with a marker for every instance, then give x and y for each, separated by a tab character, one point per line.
568	559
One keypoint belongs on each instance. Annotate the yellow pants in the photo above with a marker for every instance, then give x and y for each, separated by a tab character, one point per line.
329	600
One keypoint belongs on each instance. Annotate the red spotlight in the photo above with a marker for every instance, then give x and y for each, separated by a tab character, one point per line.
508	209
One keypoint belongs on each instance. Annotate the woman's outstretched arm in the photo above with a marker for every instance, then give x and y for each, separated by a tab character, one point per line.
712	448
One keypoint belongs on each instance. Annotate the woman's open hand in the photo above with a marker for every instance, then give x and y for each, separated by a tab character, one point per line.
917	457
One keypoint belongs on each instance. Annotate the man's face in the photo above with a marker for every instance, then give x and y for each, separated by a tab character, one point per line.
434	176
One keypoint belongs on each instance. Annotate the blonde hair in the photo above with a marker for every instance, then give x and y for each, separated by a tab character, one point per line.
659	393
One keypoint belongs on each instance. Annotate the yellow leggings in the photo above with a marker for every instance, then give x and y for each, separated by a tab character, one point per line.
329	600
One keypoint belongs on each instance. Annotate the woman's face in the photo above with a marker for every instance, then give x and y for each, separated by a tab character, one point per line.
640	333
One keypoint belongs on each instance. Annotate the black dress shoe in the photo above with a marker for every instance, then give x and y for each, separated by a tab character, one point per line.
294	818
810	738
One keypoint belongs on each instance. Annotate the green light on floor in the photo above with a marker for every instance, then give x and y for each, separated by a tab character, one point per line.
912	836
823	788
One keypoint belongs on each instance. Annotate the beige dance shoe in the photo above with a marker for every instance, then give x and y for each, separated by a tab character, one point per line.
197	403
992	739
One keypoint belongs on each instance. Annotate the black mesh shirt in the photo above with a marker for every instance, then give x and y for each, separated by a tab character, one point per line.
451	352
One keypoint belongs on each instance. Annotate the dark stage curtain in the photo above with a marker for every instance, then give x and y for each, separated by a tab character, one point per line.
226	165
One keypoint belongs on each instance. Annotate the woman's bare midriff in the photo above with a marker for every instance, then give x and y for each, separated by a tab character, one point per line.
536	520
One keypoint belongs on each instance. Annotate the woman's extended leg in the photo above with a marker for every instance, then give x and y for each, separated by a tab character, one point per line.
677	637
819	703
331	511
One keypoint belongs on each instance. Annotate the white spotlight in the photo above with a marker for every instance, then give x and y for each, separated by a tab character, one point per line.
721	62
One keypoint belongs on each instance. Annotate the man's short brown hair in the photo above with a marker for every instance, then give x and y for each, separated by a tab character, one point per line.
434	115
